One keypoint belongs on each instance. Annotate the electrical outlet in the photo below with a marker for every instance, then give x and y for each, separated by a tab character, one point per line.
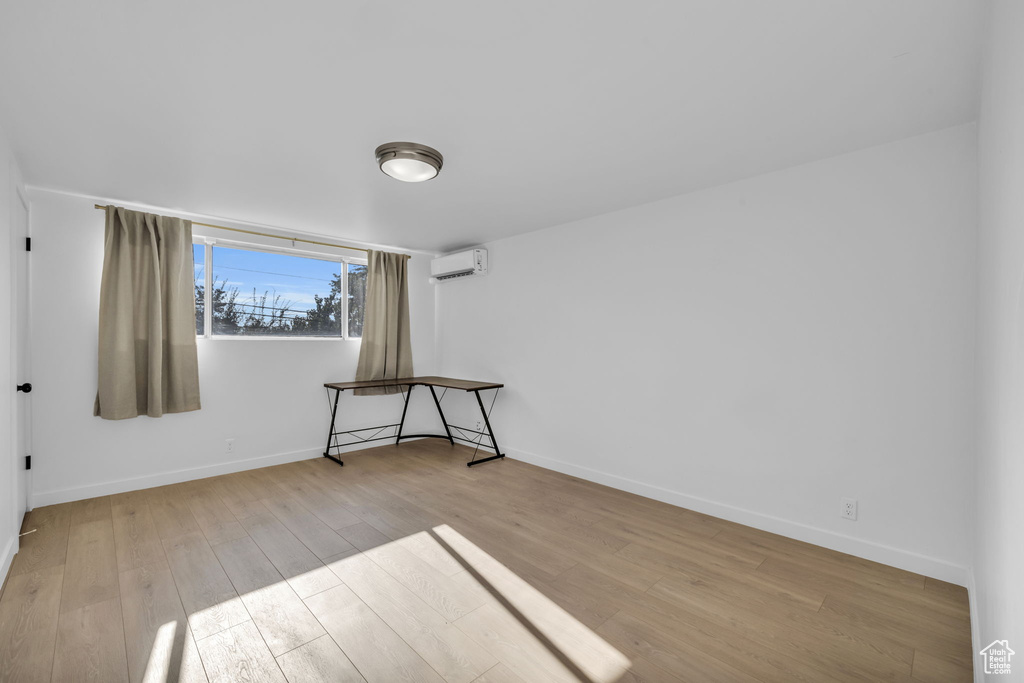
848	508
229	445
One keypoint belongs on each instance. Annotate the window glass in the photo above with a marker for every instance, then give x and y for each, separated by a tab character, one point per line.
258	293
199	274
356	298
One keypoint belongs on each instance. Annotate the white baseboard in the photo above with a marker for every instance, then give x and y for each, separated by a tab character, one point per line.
877	552
10	549
972	597
43	498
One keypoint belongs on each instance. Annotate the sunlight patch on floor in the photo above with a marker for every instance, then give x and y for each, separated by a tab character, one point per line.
559	642
160	655
457	607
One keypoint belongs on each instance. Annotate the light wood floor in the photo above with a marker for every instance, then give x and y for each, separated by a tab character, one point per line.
407	566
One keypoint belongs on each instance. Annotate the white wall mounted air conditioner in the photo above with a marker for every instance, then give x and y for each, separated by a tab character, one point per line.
462	264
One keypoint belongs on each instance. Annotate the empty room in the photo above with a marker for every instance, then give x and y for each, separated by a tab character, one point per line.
468	342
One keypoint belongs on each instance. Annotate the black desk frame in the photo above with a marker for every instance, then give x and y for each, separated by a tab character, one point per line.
333	434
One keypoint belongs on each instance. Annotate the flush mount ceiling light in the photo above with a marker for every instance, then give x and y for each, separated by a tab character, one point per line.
409	161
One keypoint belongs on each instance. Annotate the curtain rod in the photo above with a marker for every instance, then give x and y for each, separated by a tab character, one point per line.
266	234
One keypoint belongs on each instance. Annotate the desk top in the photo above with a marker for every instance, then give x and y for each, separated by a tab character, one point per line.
446	382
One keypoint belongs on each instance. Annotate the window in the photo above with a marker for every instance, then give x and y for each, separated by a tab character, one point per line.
251	292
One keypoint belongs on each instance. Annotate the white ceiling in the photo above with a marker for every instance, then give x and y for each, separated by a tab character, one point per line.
546	111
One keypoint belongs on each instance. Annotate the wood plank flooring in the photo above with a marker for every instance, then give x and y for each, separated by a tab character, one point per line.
407	566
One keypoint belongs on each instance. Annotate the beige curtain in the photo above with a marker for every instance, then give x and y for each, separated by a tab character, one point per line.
147	353
386	352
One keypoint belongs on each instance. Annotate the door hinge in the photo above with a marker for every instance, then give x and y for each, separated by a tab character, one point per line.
28	462
28	244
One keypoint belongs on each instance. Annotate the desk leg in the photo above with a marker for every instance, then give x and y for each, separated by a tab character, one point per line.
408	395
490	433
330	432
443	421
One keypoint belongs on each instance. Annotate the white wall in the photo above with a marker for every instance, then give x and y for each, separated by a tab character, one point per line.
999	548
756	351
11	507
268	395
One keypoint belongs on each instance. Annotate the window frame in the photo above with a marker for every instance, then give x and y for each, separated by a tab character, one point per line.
312	253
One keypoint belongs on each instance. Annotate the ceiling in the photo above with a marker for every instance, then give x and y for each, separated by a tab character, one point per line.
546	111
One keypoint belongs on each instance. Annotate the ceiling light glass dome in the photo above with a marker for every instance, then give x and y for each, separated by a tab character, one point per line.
408	161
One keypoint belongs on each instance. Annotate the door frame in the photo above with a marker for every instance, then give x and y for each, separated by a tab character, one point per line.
21	346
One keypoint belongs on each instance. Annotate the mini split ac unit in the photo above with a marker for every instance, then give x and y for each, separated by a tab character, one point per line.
462	264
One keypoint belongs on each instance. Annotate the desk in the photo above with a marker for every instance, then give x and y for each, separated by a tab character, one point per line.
408	383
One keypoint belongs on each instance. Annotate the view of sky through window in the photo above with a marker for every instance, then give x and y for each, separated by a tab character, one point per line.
273	294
